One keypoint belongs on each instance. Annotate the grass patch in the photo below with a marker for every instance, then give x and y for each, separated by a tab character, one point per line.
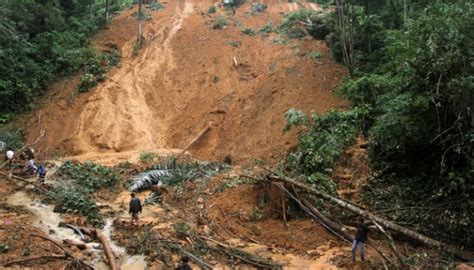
235	44
148	157
247	31
315	55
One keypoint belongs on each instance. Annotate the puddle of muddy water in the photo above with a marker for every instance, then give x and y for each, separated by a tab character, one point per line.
47	220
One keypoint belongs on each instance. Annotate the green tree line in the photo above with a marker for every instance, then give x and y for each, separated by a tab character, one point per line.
412	77
41	40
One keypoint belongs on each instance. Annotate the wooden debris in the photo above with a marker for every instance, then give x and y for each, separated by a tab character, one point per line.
66	252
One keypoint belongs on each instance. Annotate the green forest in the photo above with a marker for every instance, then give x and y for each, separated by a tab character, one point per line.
409	83
41	41
411	66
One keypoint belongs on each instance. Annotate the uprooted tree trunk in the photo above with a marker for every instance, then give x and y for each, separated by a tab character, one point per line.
107	250
386	223
330	225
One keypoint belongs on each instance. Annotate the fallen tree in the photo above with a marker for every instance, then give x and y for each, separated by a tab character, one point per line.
331	226
66	252
385	223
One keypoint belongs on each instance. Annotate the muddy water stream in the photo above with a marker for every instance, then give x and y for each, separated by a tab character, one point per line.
47	220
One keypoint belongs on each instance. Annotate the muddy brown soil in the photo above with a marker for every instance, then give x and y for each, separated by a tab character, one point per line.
184	77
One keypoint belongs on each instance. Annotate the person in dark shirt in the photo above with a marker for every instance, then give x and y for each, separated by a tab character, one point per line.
360	239
183	264
365	129
135	208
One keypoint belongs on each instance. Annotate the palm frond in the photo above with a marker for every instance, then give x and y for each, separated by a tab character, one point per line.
170	172
147	180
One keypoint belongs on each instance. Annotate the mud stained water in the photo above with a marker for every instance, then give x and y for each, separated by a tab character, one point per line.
44	217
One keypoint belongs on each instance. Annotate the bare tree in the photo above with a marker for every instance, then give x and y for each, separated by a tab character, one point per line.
139	20
106	9
346	21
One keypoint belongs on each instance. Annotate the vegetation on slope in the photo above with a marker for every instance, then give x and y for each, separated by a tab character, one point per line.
41	41
411	67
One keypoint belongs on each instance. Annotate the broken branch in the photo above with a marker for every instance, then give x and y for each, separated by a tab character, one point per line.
66	252
35	258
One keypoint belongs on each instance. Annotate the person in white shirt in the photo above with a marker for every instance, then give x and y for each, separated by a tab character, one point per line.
9	156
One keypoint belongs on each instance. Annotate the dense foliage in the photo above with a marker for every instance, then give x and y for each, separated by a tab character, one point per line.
41	41
321	139
413	68
77	196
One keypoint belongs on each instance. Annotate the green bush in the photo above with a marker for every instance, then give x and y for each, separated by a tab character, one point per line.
321	139
72	200
89	175
233	3
87	82
248	31
212	10
290	25
259	7
148	157
11	140
267	29
220	23
314	55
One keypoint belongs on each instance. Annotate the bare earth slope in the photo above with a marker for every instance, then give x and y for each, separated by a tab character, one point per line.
185	76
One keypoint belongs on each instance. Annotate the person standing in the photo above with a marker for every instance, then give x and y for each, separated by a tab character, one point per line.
360	239
41	171
135	208
9	156
365	129
31	167
184	264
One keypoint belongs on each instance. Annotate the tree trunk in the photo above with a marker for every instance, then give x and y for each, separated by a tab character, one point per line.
106	9
386	223
107	250
139	20
333	225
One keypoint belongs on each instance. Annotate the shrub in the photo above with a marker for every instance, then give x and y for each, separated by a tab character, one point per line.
314	55
75	201
87	82
148	157
268	28
248	31
220	23
321	139
259	7
290	25
232	3
10	140
235	44
89	175
212	10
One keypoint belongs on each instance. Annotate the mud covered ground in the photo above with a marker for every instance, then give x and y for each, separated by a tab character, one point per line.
185	76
